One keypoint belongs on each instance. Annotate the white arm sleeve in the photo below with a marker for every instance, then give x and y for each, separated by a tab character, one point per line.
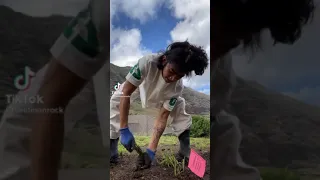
138	72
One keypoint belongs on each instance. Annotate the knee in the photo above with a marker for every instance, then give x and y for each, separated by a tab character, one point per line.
182	126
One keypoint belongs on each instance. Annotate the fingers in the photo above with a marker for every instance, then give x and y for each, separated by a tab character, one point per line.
146	166
140	163
147	161
132	142
130	145
143	162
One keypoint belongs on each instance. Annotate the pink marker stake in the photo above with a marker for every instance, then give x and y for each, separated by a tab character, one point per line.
197	164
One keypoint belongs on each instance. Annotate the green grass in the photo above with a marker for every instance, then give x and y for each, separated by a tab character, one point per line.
143	141
84	150
169	160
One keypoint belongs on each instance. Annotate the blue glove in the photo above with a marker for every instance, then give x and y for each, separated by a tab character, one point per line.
127	139
151	154
145	160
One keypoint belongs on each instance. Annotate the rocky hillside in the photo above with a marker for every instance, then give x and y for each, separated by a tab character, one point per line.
278	130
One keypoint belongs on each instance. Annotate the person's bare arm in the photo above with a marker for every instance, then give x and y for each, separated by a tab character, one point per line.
159	126
127	90
59	86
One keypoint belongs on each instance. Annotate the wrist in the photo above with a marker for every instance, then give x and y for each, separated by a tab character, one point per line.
124	125
151	148
124	130
151	153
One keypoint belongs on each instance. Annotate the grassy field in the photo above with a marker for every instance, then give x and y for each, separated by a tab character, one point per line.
84	150
169	141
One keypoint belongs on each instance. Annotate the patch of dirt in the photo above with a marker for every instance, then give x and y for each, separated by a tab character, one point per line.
124	170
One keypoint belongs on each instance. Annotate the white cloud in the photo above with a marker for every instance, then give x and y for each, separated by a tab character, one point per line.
198	82
194	26
141	10
205	91
125	47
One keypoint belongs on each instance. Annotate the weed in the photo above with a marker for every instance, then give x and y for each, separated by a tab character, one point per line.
169	160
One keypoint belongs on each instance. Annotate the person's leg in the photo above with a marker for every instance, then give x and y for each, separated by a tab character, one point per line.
114	128
115	123
181	124
76	56
226	161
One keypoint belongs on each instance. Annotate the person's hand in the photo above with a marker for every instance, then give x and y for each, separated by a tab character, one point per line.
127	139
145	160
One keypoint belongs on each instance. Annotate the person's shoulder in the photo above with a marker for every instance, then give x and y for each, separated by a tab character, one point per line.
150	59
178	85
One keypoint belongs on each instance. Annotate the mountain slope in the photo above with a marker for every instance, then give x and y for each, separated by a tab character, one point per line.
277	129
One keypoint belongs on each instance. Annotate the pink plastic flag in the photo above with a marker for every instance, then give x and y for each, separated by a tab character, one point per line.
197	164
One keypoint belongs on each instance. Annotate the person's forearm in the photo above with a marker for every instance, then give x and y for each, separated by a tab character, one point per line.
124	111
158	129
46	145
58	87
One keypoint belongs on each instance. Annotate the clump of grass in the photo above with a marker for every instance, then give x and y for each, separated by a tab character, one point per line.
169	160
278	174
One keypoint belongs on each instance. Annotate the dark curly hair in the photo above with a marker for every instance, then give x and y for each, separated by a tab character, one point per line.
186	57
284	18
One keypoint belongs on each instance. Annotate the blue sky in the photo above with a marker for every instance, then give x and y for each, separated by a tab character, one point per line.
155	33
154	25
140	27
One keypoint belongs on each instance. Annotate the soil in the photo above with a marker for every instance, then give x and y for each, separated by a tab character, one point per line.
125	170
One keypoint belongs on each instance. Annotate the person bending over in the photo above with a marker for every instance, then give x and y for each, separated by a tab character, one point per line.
157	78
76	57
